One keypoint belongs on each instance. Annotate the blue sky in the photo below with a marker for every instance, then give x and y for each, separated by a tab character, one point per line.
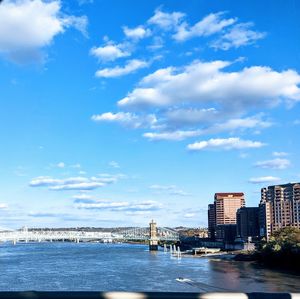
116	112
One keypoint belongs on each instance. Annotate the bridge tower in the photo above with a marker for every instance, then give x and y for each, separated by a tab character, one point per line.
153	241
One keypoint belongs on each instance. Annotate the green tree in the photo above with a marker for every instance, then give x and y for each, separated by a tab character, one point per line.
283	249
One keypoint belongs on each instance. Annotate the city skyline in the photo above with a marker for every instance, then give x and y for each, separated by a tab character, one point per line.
114	114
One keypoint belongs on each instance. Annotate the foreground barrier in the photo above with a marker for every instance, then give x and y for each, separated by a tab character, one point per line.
146	295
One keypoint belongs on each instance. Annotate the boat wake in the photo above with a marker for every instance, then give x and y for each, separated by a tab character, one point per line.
200	285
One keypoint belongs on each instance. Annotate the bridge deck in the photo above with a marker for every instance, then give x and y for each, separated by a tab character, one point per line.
141	234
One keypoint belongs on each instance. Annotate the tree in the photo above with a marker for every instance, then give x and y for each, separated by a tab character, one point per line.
283	248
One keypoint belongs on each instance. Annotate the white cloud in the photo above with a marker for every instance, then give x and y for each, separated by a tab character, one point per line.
172	136
189	215
119	117
239	35
189	117
114	164
280	154
82	197
78	186
77	166
44	181
166	21
110	52
149	205
112	176
264	179
137	32
131	67
224	144
232	125
61	165
235	91
79	23
127	119
64	165
209	25
103	205
73	183
27	26
3	206
120	206
254	122
169	189
274	164
180	118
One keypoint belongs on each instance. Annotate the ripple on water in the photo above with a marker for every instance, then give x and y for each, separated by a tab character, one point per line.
121	267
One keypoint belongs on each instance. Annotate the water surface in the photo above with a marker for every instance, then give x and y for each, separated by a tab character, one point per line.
125	267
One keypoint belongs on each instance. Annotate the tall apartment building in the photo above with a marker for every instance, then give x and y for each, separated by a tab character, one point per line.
223	210
279	207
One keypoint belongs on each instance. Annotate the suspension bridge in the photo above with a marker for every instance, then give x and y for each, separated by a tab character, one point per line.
153	234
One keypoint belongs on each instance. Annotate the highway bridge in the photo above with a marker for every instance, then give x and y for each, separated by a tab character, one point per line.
159	234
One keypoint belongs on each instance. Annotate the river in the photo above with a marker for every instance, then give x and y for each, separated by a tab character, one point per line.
126	267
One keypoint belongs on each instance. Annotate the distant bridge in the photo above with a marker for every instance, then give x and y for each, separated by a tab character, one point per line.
160	234
52	235
143	233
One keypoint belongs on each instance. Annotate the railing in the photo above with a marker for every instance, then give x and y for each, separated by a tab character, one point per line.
145	295
53	235
143	233
133	234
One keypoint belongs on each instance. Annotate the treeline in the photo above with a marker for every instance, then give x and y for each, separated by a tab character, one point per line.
281	250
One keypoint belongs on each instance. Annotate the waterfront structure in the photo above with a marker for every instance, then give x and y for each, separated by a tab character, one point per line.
247	223
153	241
223	210
203	233
279	207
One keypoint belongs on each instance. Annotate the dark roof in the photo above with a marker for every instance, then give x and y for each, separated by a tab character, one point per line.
283	185
230	193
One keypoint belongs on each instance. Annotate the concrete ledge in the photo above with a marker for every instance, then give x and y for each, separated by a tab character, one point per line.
146	295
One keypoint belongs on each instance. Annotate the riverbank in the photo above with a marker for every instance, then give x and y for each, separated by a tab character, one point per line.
279	264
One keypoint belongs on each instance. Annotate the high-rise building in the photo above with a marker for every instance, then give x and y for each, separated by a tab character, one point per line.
223	211
211	221
279	207
226	206
265	219
247	219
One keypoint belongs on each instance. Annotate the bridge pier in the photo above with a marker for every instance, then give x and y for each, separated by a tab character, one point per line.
153	241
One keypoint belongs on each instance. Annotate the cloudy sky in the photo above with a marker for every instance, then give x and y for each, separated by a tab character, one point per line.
116	112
